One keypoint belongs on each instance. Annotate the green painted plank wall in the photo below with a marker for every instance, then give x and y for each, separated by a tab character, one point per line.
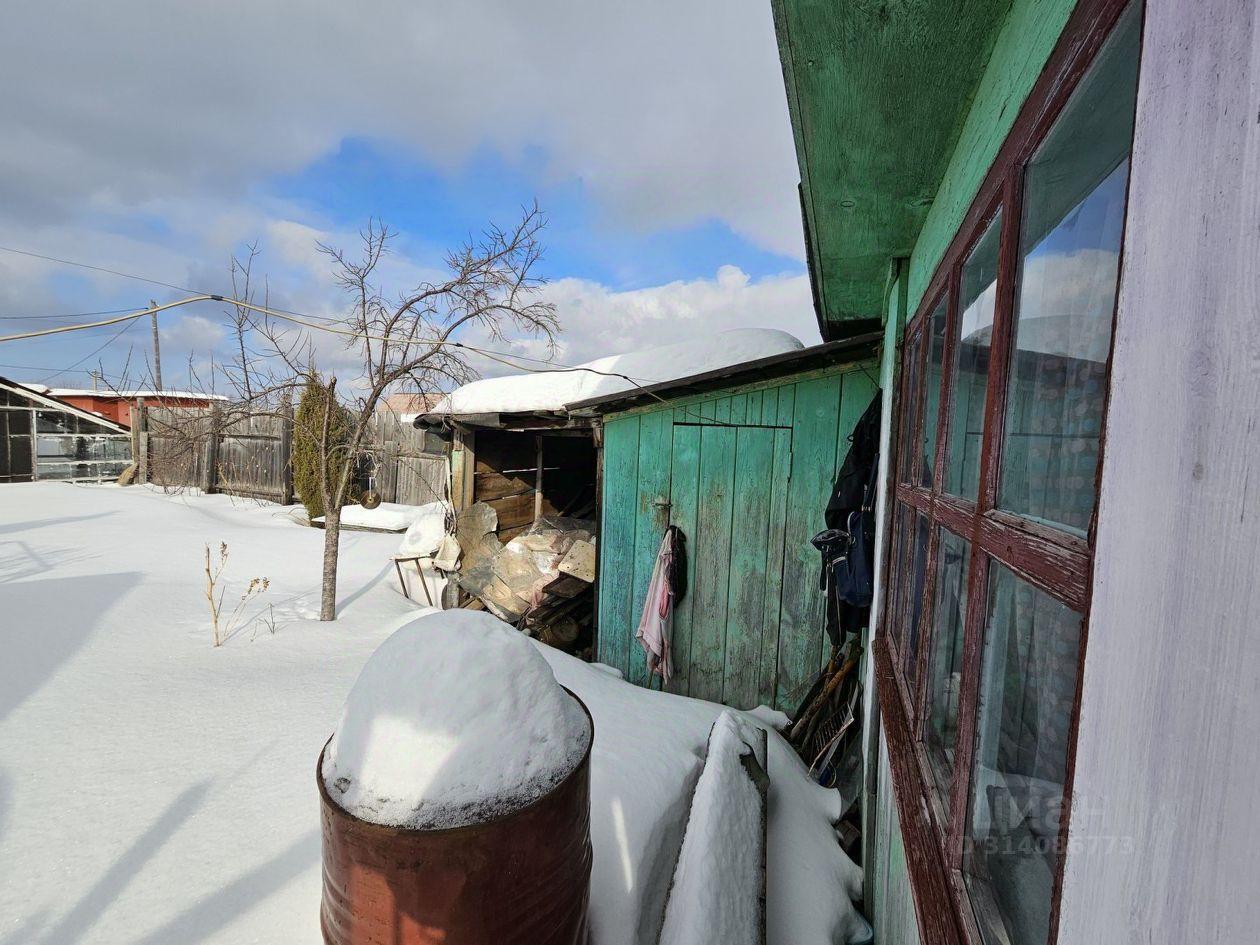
749	497
1020	52
814	434
745	603
651	510
617	534
684	498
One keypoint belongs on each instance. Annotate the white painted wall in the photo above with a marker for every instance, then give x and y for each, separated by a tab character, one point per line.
1165	844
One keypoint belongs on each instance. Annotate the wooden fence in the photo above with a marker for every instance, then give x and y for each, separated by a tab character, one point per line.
409	465
252	456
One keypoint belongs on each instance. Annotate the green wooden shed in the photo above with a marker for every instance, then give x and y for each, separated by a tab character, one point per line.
743	461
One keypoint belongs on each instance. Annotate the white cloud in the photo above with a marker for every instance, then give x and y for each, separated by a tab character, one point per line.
296	244
598	321
192	333
670	113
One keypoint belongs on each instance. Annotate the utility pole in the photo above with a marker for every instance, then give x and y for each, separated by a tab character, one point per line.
157	350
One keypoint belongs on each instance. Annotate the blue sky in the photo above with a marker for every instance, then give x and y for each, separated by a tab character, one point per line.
655	139
437	208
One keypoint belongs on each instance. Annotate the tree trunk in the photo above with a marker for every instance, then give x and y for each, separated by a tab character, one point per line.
332	538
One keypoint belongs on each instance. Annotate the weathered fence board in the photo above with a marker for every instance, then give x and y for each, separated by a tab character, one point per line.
251	455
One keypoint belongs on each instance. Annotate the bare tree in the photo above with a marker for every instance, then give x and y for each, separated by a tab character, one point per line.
242	318
408	340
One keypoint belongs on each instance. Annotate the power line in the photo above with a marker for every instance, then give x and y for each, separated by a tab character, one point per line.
32	367
108	311
118	334
295	317
137	278
131	317
112	272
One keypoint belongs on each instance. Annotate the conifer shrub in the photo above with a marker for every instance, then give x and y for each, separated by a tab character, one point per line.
307	425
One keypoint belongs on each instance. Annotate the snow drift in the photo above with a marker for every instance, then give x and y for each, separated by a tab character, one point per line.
716	898
645	764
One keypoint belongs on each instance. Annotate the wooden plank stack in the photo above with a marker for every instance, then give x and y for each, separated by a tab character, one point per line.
542	580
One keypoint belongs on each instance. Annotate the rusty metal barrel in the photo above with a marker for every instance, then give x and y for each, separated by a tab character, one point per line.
522	878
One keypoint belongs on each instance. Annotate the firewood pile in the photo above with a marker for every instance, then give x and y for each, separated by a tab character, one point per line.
542	580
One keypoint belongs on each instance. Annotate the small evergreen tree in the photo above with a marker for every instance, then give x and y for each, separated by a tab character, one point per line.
308	430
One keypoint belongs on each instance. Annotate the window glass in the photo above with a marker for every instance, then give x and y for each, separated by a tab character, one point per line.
889	617
932	390
910	390
1024	711
900	529
52	421
914	606
953	556
977	297
1073	217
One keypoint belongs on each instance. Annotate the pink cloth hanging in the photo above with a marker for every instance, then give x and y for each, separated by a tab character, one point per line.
658	612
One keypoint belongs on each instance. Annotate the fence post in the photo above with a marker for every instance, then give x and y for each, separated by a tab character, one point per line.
141	434
210	475
389	471
133	420
286	453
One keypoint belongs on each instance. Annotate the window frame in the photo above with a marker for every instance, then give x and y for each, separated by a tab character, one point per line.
1056	562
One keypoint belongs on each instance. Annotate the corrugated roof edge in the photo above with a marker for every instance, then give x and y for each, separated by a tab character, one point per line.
51	401
790	362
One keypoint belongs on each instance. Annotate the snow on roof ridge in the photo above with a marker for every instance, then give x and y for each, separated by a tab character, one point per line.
86	392
552	390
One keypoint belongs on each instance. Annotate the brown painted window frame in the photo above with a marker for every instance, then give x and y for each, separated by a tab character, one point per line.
1056	562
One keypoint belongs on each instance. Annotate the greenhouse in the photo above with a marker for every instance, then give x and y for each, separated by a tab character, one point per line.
42	437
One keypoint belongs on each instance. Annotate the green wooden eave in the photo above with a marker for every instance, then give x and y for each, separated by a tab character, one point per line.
878	91
745	375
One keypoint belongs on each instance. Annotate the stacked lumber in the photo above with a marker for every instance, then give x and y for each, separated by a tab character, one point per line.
541	581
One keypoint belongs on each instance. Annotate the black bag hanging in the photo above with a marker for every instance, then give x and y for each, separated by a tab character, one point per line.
853	573
847	545
853	488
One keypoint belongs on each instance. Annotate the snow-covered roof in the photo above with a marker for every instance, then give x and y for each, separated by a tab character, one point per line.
125	394
552	390
51	400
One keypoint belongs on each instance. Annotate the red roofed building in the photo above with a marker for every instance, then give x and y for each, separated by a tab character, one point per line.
116	405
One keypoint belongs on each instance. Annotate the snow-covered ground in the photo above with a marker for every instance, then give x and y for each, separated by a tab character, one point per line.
155	789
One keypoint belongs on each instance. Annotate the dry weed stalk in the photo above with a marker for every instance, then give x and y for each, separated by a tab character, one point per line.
224	628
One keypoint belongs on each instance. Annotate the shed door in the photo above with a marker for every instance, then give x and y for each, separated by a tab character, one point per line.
728	494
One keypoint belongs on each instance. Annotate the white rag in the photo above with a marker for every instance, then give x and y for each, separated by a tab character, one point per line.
658	613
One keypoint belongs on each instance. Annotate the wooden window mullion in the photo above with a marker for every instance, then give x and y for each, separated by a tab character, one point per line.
897	587
916	498
919	683
999	350
964	735
904	415
958	515
914	447
1061	573
946	404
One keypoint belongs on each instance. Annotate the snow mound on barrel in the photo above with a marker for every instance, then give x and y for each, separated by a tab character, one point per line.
455	719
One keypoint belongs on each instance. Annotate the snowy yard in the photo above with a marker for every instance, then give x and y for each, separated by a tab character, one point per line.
154	789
